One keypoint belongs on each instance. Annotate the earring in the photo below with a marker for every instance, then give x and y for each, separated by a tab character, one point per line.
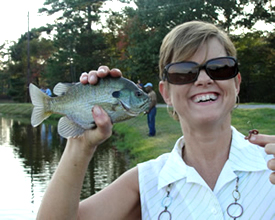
168	109
237	102
172	113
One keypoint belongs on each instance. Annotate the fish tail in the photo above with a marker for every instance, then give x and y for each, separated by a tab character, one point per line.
40	101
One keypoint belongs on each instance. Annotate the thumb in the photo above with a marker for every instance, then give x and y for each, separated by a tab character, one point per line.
103	128
262	139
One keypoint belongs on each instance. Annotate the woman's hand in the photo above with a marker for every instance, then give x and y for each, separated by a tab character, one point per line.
103	71
268	142
103	130
61	199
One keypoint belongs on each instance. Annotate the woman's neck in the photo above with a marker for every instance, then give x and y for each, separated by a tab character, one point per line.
207	150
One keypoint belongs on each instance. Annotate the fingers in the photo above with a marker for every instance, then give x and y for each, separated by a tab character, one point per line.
272	178
91	138
267	141
103	71
262	139
103	128
271	163
270	149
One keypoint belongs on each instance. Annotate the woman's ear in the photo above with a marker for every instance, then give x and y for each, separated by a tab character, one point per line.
164	91
238	81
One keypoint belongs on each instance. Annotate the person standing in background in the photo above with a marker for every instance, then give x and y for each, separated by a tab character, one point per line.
151	114
139	84
46	90
213	171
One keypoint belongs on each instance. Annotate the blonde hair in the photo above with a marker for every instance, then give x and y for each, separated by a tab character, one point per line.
183	41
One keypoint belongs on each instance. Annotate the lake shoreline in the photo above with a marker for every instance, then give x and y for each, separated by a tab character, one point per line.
131	136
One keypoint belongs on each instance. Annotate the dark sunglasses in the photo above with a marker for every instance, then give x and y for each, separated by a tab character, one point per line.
221	68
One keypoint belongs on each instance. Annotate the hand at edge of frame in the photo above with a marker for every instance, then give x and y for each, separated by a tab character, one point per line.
268	142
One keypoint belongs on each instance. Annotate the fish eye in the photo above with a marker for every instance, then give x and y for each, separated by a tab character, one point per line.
138	93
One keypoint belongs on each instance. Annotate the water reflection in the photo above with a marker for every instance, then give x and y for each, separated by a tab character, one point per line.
46	135
29	157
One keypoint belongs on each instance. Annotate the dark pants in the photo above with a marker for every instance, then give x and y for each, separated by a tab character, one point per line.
151	121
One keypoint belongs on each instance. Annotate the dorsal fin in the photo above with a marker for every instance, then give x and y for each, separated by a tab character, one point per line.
62	88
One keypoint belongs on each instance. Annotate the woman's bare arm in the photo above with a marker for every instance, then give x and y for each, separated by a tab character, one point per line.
63	193
120	200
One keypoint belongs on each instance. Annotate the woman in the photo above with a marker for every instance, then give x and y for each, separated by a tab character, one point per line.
212	171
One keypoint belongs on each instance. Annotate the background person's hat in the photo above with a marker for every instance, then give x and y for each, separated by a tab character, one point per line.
148	84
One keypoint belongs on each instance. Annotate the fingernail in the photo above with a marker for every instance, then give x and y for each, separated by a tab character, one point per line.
253	138
97	110
84	77
102	70
92	78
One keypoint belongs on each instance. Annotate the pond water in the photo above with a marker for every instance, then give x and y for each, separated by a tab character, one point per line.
29	157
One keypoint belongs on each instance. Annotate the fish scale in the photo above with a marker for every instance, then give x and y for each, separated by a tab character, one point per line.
119	97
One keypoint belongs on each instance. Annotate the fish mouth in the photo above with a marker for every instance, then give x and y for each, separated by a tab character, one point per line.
135	113
128	110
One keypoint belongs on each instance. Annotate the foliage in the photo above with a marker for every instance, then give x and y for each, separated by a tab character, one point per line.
79	47
256	53
20	70
130	41
145	27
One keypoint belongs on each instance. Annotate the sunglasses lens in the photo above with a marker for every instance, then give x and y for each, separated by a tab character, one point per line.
182	73
222	68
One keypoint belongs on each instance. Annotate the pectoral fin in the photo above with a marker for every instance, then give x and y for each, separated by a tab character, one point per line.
67	128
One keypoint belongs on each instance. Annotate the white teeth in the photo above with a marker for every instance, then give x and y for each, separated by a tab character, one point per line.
213	97
203	98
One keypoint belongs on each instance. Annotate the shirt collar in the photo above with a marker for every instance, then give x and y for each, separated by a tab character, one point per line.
169	172
243	156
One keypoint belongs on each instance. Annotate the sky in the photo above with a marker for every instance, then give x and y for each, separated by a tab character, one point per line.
14	17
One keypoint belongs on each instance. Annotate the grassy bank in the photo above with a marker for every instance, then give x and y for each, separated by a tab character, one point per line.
19	109
132	136
142	147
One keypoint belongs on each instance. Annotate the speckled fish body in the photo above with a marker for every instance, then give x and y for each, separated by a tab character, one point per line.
119	97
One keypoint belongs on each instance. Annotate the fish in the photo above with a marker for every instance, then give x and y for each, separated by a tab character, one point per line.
119	97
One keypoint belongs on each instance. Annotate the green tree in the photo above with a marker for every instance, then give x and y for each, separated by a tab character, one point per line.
240	14
143	28
256	53
17	68
4	77
146	26
80	48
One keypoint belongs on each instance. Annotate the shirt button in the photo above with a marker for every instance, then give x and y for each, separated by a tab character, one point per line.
214	211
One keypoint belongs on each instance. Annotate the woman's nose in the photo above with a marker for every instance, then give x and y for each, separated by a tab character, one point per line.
203	79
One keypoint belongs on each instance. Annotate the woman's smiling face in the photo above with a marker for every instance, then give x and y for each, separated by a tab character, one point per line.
205	100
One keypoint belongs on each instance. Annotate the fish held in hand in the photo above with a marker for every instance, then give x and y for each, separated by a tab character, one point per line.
119	97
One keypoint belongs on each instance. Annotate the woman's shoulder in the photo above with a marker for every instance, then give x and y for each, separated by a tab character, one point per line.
153	166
